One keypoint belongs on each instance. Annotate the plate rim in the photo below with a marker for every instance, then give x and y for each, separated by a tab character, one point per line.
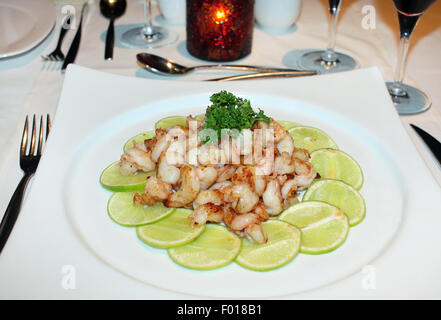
44	29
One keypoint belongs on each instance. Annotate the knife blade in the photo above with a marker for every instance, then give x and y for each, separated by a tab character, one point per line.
266	75
73	50
433	144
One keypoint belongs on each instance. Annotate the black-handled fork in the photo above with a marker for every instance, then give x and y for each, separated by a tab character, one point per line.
28	163
57	54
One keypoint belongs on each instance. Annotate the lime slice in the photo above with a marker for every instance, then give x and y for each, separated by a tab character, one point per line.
282	246
341	195
172	231
336	164
214	248
139	139
288	124
324	227
113	180
170	122
311	139
121	209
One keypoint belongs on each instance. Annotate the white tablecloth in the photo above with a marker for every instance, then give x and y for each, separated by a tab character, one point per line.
28	86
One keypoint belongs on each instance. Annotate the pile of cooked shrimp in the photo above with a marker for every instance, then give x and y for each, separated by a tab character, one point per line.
204	176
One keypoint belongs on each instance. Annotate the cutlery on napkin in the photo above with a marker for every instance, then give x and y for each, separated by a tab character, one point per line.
73	50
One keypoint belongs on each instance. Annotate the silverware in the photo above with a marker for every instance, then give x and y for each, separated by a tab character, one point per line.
73	50
160	65
57	54
433	144
28	163
111	9
267	75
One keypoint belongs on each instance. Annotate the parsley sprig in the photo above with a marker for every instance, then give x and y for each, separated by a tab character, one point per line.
230	112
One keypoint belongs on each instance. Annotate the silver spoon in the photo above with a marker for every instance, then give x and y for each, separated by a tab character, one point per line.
159	65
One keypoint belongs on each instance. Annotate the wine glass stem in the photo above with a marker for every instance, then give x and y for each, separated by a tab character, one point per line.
397	88
148	25
329	55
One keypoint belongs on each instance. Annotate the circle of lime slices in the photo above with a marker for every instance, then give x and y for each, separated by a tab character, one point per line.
139	139
288	124
172	231
282	246
324	227
338	165
170	122
113	180
340	195
311	138
122	210
214	248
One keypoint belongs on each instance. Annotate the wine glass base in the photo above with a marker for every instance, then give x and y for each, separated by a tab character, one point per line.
415	101
313	61
136	38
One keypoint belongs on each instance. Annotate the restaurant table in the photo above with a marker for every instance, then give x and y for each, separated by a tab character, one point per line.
28	86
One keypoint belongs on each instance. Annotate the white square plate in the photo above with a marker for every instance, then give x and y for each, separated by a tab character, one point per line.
64	229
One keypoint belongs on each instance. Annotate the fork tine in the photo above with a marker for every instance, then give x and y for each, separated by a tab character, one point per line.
24	138
40	137
48	124
31	150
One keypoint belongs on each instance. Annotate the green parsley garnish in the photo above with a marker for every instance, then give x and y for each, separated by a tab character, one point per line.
229	112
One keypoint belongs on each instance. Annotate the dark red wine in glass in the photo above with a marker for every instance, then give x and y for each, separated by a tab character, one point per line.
411	7
407	99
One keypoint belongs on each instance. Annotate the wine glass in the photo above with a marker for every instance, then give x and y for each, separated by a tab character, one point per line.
328	61
147	35
407	99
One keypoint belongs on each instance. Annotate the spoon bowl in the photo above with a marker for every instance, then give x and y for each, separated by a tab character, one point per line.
111	9
160	65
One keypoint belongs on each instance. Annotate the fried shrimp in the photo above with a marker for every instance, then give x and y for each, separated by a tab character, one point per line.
248	175
284	164
225	173
208	196
267	177
207	176
272	198
160	144
166	172
189	189
136	158
242	198
304	174
250	223
289	193
207	212
155	190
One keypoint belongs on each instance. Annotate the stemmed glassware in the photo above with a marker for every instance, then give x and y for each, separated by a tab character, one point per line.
407	99
328	61
148	35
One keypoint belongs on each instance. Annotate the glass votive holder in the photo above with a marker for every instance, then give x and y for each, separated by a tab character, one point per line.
220	30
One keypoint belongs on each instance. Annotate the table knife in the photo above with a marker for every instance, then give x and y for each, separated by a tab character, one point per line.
433	144
73	50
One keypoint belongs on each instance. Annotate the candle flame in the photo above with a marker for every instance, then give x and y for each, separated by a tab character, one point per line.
220	14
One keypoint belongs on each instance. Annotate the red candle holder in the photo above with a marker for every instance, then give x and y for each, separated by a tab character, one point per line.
220	30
